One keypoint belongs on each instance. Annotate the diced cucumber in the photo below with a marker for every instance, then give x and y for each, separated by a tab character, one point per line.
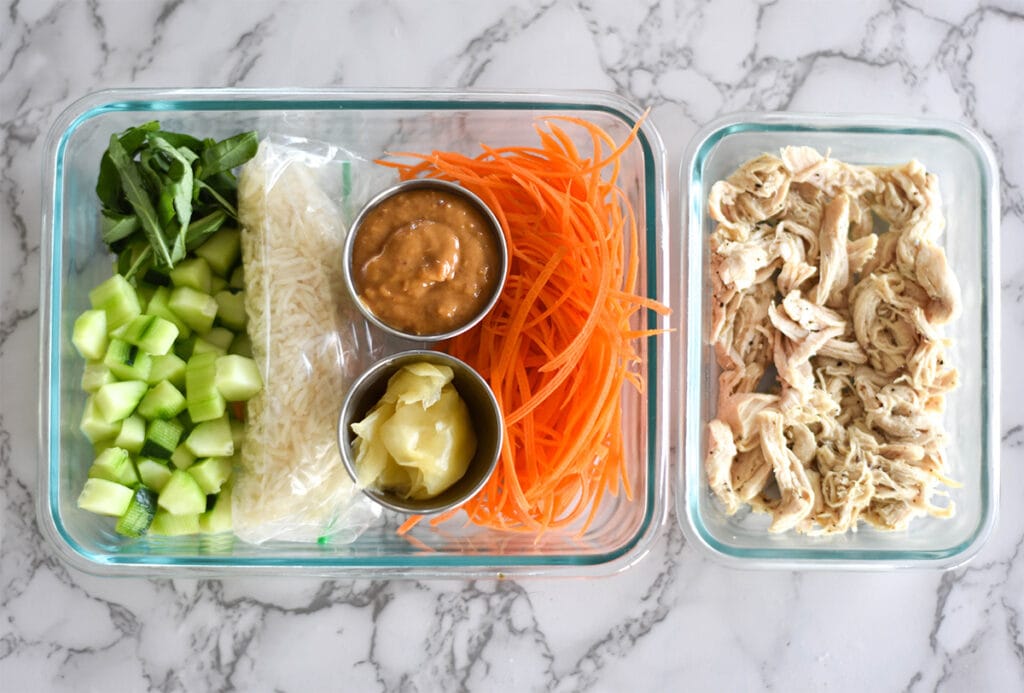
114	464
205	402
193	273
196	308
105	497
183	348
211	473
218	519
126	361
219	336
139	515
158	306
182	458
222	250
231	309
169	367
204	347
132	435
153	473
117	299
162	436
168	525
163	401
237	377
217	284
116	401
94	426
241	345
182	495
237	280
90	334
96	375
211	439
152	334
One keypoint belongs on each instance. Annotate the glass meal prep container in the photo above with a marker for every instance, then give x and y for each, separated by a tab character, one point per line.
369	124
968	180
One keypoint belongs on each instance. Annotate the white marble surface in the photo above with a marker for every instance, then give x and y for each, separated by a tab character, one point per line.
674	621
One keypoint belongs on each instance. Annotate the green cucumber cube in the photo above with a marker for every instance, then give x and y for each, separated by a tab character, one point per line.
162	437
152	334
220	337
211	473
163	401
218	518
182	495
217	284
167	525
182	458
126	361
237	378
90	334
205	402
241	345
105	497
139	515
94	426
211	439
196	308
114	464
153	473
237	280
158	306
193	273
222	250
132	434
169	367
116	401
96	375
204	347
117	299
231	309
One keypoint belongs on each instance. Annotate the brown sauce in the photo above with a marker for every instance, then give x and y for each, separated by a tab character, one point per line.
425	261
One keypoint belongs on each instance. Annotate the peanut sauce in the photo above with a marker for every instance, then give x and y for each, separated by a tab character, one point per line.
425	261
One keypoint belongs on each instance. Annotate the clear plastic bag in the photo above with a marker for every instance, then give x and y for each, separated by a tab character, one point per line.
296	200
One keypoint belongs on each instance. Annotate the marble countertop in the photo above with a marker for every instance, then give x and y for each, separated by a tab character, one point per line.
677	619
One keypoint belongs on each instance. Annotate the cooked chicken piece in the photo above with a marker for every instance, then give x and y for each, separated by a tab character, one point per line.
829	175
751	472
833	263
721	453
849	319
860	252
796	495
755	192
936	278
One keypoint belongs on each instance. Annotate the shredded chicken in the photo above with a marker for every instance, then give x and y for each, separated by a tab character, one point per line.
847	320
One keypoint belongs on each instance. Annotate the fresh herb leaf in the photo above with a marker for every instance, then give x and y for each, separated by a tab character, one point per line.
136	195
115	226
221	200
108	183
227	154
203	228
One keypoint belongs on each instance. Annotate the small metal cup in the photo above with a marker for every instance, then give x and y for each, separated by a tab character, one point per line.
424	184
484	412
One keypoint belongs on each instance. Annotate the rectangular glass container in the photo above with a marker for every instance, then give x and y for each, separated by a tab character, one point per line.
969	184
370	123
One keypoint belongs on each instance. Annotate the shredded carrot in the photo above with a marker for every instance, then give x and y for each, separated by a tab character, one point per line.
559	346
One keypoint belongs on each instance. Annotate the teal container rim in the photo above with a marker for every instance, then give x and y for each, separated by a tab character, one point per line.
690	484
413	565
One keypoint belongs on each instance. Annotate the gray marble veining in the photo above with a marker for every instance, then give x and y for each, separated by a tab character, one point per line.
674	620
